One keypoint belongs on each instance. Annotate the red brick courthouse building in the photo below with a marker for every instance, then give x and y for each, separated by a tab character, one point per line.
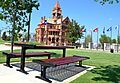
52	31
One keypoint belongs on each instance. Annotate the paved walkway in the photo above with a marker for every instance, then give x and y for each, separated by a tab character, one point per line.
10	75
5	47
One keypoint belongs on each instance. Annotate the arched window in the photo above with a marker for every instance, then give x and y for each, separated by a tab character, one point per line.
53	40
49	38
57	39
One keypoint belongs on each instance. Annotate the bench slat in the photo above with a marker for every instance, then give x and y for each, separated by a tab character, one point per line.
61	61
32	54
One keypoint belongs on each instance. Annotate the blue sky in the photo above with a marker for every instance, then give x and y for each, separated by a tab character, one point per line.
85	12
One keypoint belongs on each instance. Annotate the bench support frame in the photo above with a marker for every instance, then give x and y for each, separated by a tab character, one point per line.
43	74
45	65
8	61
80	63
9	56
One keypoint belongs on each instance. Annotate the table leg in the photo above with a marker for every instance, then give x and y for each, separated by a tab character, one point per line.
49	56
64	50
22	64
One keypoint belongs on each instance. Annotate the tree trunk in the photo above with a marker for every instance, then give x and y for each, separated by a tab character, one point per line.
29	27
13	31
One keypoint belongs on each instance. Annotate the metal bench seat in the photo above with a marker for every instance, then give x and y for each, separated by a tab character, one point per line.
60	61
45	63
30	54
16	55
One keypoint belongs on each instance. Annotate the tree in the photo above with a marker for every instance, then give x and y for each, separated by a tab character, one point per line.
20	36
26	36
118	39
8	38
113	40
29	11
73	31
104	39
102	2
15	13
87	40
4	36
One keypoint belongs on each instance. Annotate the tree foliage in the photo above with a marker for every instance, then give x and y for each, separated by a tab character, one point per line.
104	39
118	39
26	36
87	40
4	36
114	41
15	12
102	2
73	31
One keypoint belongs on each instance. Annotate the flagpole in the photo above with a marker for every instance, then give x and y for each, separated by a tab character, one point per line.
111	36
118	40
97	40
85	39
111	49
103	34
91	40
104	31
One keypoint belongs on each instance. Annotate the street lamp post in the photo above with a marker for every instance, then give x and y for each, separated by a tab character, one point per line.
46	31
46	35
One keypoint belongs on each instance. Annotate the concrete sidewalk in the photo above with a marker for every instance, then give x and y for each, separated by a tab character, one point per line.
10	75
5	47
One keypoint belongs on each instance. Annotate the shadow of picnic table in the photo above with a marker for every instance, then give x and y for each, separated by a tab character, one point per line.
110	73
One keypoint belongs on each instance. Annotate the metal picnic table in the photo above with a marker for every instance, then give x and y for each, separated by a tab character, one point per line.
29	46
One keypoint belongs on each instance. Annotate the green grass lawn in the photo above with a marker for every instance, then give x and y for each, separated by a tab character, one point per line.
107	65
2	41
